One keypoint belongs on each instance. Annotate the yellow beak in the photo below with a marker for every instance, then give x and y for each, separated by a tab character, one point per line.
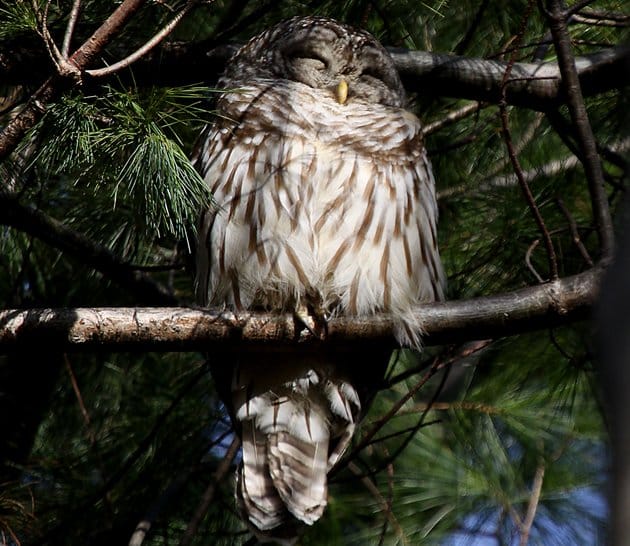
341	93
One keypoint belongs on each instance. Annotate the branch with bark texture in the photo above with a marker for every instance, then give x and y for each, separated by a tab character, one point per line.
185	329
586	140
69	73
437	74
536	86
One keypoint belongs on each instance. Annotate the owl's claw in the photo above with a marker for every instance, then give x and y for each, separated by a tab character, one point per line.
312	320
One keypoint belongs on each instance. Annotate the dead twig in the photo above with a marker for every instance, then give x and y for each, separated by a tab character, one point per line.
528	261
208	496
574	232
526	524
72	21
507	137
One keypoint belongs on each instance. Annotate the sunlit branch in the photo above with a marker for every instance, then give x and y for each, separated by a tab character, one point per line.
35	108
140	52
72	21
185	329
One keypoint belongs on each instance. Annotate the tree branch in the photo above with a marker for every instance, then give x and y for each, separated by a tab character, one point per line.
208	496
586	140
35	108
140	52
437	74
56	234
536	86
185	329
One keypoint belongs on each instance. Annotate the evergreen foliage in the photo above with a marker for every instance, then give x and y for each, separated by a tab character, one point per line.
106	441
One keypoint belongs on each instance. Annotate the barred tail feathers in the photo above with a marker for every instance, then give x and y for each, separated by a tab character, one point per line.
292	436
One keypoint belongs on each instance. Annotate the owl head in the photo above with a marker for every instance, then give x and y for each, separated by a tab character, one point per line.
347	63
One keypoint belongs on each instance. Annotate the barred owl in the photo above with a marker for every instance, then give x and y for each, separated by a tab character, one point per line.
324	206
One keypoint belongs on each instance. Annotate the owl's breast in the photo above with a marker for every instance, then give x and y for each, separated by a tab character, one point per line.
329	197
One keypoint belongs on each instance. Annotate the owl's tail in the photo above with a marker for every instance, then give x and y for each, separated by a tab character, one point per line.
292	435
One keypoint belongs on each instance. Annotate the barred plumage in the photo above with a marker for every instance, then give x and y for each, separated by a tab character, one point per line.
324	203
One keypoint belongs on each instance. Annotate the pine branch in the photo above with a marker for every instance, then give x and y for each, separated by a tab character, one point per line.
185	329
54	233
68	75
532	85
535	86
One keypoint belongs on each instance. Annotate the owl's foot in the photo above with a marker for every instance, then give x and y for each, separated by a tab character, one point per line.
310	315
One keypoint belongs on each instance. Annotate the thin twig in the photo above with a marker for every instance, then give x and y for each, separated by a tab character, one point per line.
574	231
507	137
51	46
585	137
90	432
77	393
397	433
72	21
599	22
529	197
208	496
390	500
525	138
385	505
611	153
157	38
463	405
367	437
145	442
526	525
446	366
461	352
452	117
528	261
618	17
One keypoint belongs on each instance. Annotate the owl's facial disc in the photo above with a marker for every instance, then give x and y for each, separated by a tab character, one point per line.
364	66
320	53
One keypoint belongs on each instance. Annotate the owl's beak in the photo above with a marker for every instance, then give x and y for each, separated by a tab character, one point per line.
341	93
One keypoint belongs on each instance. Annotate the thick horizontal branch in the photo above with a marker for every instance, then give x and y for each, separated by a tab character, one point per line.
184	329
536	86
436	74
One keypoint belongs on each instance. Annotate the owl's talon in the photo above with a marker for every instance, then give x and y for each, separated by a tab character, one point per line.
304	318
